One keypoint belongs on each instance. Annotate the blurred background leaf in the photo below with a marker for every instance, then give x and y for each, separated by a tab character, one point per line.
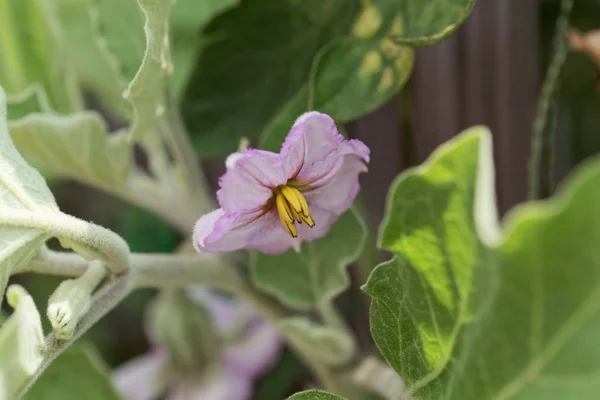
33	51
578	128
318	273
77	374
277	51
428	22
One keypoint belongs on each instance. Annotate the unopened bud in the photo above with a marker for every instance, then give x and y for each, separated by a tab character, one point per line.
21	342
185	329
71	300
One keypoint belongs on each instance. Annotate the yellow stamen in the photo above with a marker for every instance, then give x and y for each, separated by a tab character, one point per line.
285	215
292	207
292	195
308	219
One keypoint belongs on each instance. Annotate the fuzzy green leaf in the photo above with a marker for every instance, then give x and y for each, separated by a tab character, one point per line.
32	53
98	69
315	395
79	373
77	146
21	188
330	345
422	295
148	89
467	311
318	273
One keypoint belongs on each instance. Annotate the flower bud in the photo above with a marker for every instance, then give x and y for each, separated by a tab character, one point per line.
185	329
21	342
71	300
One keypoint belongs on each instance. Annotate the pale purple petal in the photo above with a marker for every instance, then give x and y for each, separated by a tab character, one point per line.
323	219
312	137
249	181
205	226
259	350
228	384
229	314
328	166
260	230
337	190
218	231
142	378
272	238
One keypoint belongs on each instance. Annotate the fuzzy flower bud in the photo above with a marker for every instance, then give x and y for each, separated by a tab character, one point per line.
21	342
71	300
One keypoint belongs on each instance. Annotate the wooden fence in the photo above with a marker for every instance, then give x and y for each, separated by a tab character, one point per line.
489	72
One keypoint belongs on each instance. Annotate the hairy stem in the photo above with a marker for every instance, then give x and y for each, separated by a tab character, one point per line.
148	270
89	238
177	210
540	128
182	150
168	271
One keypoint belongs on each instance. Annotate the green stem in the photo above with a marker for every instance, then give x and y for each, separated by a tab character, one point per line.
545	101
182	150
148	270
93	240
178	210
547	159
170	271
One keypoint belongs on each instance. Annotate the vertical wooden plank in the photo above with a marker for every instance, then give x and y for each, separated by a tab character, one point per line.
516	86
478	38
380	131
437	95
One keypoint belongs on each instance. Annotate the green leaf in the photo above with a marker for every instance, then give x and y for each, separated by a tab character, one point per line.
466	311
427	22
188	17
77	145
79	373
120	25
421	296
32	52
281	52
315	395
21	343
148	89
97	68
32	99
353	77
329	345
21	188
307	279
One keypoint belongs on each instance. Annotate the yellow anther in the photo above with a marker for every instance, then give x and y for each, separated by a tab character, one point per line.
304	204
285	215
308	219
292	195
292	207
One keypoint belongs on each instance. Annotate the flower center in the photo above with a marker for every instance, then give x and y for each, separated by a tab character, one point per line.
292	207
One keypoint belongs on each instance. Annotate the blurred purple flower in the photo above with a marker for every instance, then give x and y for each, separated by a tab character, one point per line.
148	376
311	182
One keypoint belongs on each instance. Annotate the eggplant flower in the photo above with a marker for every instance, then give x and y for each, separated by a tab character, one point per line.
251	348
271	202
